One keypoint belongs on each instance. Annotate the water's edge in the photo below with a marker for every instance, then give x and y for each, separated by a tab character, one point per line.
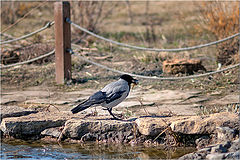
15	149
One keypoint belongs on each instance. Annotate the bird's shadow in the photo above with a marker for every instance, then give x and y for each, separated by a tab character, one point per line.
131	119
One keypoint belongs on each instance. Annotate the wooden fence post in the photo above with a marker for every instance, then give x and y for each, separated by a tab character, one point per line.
62	41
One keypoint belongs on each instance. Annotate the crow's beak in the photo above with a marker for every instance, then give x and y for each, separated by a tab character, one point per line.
135	81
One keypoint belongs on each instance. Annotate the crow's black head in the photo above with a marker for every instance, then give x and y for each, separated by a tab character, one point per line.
129	79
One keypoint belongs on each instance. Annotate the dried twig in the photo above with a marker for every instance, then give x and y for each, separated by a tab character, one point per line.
140	101
61	134
160	134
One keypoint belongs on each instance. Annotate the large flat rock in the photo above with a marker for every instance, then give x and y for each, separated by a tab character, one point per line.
20	96
206	124
155	102
225	150
228	99
152	126
159	110
14	111
33	124
99	129
44	97
171	96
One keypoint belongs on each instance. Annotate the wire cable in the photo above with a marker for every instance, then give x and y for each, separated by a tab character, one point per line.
19	20
48	25
28	61
155	77
151	49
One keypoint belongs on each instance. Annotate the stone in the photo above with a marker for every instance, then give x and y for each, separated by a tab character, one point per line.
9	57
219	149
225	150
215	156
171	96
228	99
53	132
207	149
152	126
227	144
176	101
14	111
132	104
202	142
188	66
47	101
194	155
205	124
32	125
234	146
21	96
99	129
233	155
225	133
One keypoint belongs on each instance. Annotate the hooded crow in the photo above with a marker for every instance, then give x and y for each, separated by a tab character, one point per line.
110	96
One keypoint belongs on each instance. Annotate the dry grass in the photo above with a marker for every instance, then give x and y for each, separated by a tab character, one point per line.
173	24
222	20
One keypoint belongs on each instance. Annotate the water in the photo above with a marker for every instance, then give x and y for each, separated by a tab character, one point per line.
50	151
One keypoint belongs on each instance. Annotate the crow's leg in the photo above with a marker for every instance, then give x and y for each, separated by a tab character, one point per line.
114	117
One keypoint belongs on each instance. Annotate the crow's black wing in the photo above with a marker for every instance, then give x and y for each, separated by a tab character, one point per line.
97	98
114	96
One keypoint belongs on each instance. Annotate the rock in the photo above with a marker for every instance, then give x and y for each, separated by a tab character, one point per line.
132	104
152	126
234	146
174	109
202	142
228	99
195	156
39	96
53	132
32	125
20	96
219	149
46	101
206	149
233	155
205	124
227	144
188	66
176	101
225	134
171	96
14	111
226	150
1	134
95	129
9	57
215	156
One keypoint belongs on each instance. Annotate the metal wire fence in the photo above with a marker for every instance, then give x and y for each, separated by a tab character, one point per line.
48	25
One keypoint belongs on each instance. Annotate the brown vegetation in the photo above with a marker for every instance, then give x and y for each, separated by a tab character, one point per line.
222	20
147	24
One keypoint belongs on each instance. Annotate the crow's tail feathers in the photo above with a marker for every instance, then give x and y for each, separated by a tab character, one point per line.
82	106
